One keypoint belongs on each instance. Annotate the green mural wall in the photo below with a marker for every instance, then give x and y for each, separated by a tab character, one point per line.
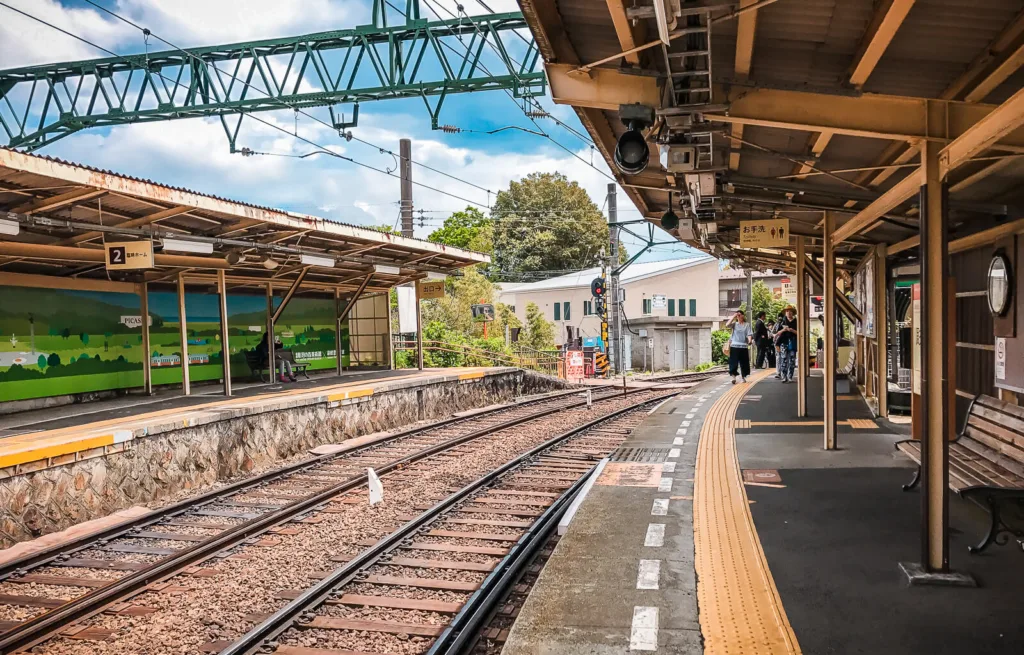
56	342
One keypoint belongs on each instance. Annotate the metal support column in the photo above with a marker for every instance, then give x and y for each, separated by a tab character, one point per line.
934	365
271	361
750	294
337	331
419	330
881	332
147	350
616	353
803	335
225	334
830	431
405	173
183	331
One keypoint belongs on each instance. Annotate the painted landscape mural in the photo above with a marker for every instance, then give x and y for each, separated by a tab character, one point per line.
55	342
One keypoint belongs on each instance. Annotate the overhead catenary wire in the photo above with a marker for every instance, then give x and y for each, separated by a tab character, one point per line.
430	5
322	149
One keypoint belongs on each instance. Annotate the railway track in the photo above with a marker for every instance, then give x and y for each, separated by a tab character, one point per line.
100	571
437	580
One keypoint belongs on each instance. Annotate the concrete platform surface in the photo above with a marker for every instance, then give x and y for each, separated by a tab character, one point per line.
623	574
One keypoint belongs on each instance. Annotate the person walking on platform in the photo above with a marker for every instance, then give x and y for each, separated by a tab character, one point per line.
739	346
761	340
769	348
775	343
787	340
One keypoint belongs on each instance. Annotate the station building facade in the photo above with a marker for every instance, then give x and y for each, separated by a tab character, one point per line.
670	307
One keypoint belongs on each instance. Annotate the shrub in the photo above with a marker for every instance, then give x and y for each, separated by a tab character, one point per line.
718	339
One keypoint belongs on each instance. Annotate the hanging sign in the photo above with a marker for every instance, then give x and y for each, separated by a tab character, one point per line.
123	255
764	234
431	289
789	290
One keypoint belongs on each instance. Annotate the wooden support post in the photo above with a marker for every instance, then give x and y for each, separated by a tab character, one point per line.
938	420
271	362
225	333
803	333
147	351
830	428
419	330
183	331
881	332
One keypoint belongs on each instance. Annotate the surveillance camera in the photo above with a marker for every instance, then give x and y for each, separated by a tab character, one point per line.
669	221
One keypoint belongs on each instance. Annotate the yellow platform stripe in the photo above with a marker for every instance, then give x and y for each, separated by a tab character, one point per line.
741	611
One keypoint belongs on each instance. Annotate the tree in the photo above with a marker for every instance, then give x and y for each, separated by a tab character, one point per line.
65	333
764	301
53	360
85	338
469	229
454	310
41	362
539	334
545	223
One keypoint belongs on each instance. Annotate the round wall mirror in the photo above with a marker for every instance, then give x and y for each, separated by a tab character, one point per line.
1000	284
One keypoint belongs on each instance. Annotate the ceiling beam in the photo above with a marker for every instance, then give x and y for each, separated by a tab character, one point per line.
999	74
625	30
867	115
601	88
1003	120
993	54
135	222
54	202
746	28
889	16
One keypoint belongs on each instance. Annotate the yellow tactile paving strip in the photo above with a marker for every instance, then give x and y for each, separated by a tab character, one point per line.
741	612
35	446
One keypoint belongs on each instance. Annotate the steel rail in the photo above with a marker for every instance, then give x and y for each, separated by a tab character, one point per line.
288	616
44	626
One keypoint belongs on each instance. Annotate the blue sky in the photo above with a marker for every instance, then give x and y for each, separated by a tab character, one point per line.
194	153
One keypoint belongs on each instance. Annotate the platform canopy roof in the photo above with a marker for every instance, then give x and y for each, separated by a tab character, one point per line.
803	106
65	212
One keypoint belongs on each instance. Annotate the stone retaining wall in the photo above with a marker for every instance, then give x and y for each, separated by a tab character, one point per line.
155	468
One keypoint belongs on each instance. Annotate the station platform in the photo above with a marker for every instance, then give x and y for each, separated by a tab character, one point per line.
733	531
53	436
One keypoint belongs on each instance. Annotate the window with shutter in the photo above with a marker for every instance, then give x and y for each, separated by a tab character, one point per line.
565	311
693	306
671	307
558	311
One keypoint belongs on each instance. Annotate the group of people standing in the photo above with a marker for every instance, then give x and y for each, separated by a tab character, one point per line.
776	343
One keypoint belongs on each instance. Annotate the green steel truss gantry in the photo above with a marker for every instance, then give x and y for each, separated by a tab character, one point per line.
417	59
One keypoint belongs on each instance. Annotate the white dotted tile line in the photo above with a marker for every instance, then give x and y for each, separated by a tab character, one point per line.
655	535
643	635
665	484
678	441
668	467
682	431
684	424
660	507
673	453
689	416
648	574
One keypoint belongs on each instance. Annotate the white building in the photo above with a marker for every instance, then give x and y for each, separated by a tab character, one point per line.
670	306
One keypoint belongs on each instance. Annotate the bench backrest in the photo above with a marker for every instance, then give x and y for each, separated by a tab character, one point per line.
995	430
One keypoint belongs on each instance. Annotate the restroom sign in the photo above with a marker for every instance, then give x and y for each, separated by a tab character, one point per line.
764	234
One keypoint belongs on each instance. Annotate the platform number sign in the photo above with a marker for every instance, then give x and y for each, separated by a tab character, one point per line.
129	255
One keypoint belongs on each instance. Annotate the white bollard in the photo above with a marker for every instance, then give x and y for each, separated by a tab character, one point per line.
590	399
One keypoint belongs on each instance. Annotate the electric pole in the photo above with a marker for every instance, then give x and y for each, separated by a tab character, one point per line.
615	346
405	172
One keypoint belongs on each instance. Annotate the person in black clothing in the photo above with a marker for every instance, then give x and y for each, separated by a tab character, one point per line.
761	340
770	346
787	343
283	365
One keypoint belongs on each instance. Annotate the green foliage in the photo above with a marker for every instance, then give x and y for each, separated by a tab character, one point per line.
764	301
544	222
718	339
454	310
539	333
85	338
53	360
469	229
41	363
703	367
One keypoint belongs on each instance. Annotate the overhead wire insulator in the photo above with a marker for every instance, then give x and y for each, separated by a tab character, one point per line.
449	129
537	113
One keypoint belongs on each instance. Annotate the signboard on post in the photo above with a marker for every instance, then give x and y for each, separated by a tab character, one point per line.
771	233
122	255
431	289
789	290
916	361
483	313
1000	358
659	301
574	365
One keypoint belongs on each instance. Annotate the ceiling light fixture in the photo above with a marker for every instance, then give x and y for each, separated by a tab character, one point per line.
386	270
195	247
313	260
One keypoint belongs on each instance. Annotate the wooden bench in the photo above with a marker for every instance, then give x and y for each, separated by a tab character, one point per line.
258	363
986	463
